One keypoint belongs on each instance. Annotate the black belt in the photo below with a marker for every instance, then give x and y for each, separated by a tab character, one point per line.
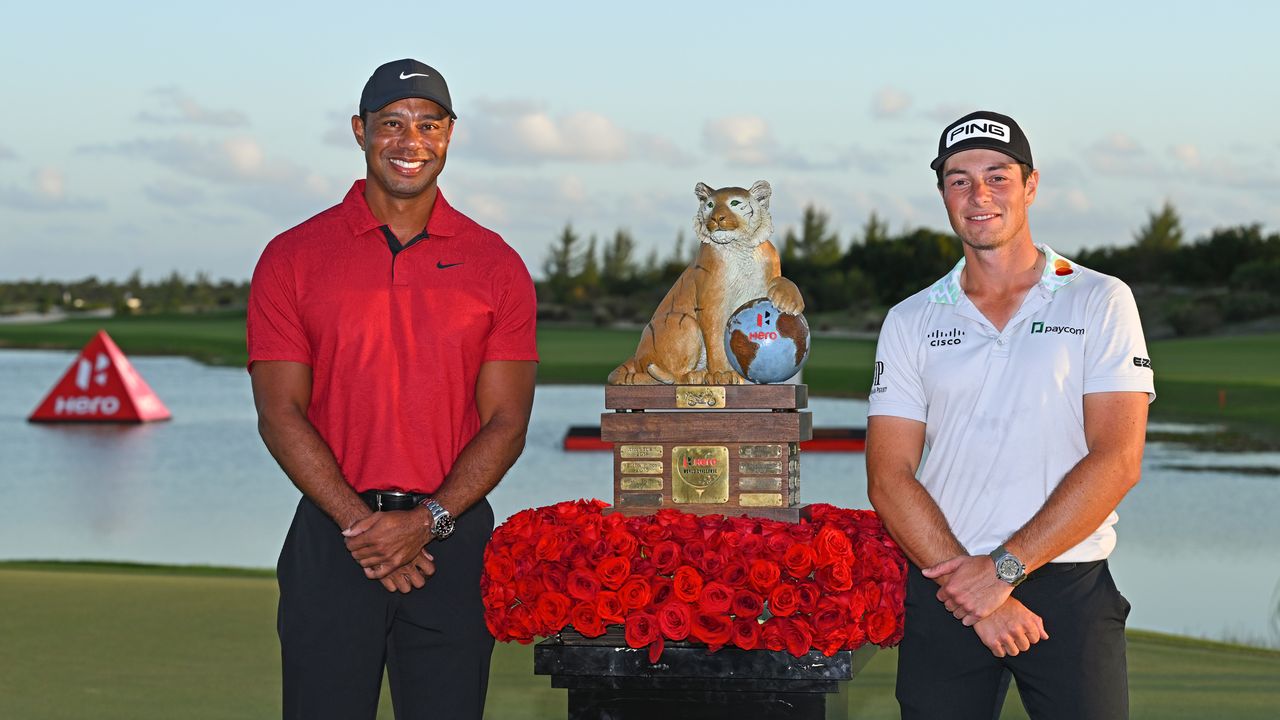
379	500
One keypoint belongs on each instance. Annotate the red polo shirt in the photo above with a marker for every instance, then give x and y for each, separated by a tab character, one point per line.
394	343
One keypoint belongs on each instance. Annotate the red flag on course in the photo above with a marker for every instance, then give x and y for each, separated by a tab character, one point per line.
101	386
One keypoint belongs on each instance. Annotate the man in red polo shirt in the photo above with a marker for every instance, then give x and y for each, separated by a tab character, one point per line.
392	352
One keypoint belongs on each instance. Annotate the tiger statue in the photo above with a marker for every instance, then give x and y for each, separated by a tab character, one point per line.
684	342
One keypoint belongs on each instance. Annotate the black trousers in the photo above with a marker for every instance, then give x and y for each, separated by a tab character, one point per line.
1079	673
338	629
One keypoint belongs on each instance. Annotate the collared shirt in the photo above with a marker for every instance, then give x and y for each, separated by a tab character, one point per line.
394	340
1004	409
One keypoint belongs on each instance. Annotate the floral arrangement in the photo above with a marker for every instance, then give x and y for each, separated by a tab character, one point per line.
832	582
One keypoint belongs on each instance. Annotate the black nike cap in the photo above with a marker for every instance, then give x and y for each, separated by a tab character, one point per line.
400	79
983	129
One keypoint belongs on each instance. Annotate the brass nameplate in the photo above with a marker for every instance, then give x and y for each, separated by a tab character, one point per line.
640	482
760	467
700	473
641	467
760	451
760	500
699	397
640	451
639	500
760	484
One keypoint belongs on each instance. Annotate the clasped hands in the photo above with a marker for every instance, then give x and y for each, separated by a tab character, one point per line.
970	590
391	547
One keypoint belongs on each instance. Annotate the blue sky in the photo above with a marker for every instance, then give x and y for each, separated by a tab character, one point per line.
152	137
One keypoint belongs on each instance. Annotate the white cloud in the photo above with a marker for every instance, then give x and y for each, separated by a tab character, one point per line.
50	183
516	132
46	191
1120	154
1186	154
740	139
178	108
945	113
889	103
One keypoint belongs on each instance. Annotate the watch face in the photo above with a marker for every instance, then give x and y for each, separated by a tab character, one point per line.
1008	568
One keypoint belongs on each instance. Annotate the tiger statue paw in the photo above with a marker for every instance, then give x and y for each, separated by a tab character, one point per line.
736	262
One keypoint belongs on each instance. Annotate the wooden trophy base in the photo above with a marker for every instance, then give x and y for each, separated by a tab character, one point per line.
705	449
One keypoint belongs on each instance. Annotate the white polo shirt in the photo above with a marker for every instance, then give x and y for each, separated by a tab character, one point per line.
1004	410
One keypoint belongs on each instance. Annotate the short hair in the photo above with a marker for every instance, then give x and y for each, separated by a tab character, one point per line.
1026	173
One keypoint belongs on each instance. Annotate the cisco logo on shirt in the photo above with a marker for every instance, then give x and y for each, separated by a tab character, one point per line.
1038	327
945	338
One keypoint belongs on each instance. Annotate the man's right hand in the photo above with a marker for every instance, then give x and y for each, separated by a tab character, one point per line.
412	575
1011	629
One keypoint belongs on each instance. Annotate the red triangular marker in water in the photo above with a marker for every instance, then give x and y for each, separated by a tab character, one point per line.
101	386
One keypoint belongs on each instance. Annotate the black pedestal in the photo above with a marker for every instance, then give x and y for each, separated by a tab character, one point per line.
607	680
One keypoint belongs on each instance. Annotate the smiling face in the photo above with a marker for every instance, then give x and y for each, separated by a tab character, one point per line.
987	199
405	144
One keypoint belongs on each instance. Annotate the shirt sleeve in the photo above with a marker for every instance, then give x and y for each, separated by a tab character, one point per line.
896	388
273	328
1115	353
514	332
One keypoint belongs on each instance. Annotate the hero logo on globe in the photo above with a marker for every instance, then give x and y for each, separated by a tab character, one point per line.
762	335
977	129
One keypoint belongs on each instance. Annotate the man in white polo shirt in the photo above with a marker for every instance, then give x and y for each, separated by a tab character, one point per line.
1026	377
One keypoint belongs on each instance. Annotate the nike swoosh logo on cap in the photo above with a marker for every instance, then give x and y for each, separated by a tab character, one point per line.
406	76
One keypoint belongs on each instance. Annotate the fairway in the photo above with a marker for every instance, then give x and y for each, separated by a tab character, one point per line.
138	643
1193	376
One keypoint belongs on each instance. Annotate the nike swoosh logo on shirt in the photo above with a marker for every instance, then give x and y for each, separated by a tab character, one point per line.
406	76
443	265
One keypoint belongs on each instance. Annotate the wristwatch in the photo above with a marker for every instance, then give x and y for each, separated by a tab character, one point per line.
1008	567
441	520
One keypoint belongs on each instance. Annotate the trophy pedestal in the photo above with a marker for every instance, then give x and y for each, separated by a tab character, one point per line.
706	449
608	680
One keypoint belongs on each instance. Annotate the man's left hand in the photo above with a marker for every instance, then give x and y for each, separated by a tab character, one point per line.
385	541
973	591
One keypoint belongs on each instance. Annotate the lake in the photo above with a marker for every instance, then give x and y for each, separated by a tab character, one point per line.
1198	554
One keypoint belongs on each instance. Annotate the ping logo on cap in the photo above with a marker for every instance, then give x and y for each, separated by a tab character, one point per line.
976	129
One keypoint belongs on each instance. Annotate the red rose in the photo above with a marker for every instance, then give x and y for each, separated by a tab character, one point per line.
693	552
499	568
674	620
634	593
881	625
685	528
778	543
735	573
746	633
687	583
747	604
613	571
641	629
521	624
763	575
586	620
783	601
662	591
828	618
666	557
771	634
835	577
831	545
597	552
555	577
855	635
729	539
583	584
797	635
830	643
715	598
528	588
552	611
609	607
550	546
714	630
713	563
752	546
809	595
621	542
651	533
798	560
803	532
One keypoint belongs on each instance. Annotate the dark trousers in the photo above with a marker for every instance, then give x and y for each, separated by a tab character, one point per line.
338	628
1079	673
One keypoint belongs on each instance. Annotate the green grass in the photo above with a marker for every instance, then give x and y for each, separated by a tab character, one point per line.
1190	373
143	642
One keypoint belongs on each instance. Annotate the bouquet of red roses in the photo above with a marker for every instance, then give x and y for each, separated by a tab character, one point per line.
832	582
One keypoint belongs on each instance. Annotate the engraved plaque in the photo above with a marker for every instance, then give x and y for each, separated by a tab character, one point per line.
700	473
641	467
699	397
760	499
641	483
760	484
760	467
760	451
652	452
639	499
